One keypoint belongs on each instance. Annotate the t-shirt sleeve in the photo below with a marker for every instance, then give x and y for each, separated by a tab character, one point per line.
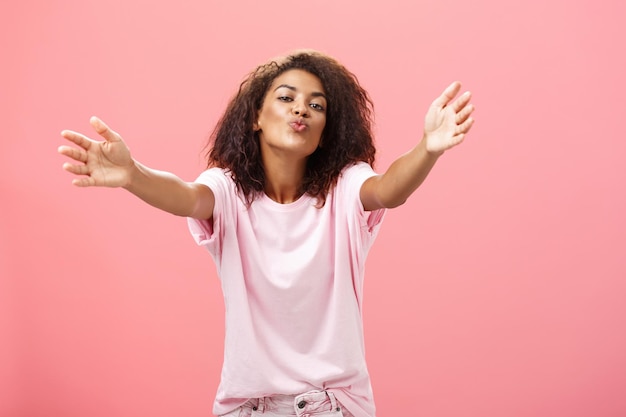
349	185
209	232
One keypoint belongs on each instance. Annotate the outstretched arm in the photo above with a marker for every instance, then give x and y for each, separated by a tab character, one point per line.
108	163
447	122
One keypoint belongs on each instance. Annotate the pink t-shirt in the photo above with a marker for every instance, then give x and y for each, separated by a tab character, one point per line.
292	278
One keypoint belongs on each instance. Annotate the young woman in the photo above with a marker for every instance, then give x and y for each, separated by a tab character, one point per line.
288	208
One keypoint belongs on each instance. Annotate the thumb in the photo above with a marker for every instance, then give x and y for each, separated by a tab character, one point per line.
104	130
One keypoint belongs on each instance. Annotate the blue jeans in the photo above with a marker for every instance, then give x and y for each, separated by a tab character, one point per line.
312	403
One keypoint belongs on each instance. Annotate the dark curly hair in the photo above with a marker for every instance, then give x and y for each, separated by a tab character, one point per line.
347	137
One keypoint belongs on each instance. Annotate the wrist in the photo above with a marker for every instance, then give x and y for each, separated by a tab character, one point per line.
430	150
133	174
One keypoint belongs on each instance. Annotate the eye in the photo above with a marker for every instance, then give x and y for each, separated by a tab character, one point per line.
285	98
317	106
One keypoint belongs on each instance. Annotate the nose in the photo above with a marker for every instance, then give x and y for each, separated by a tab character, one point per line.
300	109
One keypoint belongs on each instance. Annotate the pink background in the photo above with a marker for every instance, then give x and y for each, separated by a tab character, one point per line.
498	289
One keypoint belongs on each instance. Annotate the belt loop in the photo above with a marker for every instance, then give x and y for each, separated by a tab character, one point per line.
261	406
333	401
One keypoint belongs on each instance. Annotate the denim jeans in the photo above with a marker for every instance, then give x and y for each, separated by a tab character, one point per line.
309	404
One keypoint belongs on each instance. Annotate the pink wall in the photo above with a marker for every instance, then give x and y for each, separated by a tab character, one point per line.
498	289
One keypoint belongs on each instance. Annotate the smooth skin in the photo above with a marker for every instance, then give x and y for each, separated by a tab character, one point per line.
294	95
446	124
290	124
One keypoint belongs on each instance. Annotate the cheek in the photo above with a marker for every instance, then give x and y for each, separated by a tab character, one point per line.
322	126
267	115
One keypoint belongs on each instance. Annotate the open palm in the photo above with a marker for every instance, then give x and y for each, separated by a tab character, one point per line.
102	163
448	121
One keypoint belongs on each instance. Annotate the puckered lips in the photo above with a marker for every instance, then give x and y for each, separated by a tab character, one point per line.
298	125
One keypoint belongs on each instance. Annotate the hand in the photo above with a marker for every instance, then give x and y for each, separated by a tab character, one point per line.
448	121
107	163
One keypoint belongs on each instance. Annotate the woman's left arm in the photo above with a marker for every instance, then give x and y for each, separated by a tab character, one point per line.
447	122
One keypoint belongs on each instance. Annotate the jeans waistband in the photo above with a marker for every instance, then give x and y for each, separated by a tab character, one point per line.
308	402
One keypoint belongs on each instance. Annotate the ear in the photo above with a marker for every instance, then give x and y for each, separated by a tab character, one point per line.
256	126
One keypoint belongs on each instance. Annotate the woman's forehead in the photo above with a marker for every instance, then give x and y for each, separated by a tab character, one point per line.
299	79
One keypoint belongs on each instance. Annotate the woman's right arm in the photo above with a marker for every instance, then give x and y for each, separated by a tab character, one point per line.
109	164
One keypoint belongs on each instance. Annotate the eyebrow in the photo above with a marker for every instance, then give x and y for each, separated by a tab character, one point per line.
291	87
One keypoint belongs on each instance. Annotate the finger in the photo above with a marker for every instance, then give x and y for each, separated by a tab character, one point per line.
83	182
74	153
104	130
456	140
448	94
462	101
76	168
77	138
465	126
464	114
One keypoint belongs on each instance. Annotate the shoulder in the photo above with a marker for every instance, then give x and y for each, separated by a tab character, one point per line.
214	175
219	180
348	198
356	174
351	180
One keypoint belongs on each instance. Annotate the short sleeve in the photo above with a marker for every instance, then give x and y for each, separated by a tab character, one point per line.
349	186
209	233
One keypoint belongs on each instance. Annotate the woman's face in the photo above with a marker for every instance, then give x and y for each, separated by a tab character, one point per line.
293	115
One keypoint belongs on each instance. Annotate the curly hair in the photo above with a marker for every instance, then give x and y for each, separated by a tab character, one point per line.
347	137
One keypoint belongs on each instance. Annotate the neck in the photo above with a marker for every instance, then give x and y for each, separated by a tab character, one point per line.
283	179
